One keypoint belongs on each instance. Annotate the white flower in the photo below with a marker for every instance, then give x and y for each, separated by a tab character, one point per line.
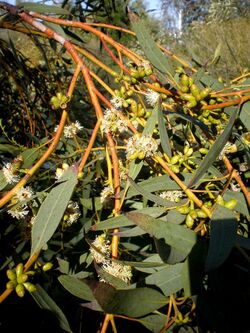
18	212
152	97
24	193
72	213
135	123
117	102
60	171
71	130
111	122
235	188
141	144
8	172
146	65
102	244
172	195
228	148
122	272
106	192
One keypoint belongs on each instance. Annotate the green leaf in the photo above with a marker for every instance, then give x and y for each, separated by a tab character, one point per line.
111	279
168	279
152	197
52	210
154	322
128	302
45	302
76	287
29	157
165	143
152	120
241	206
43	9
179	238
7	148
223	237
123	221
3	181
150	48
245	115
214	151
161	183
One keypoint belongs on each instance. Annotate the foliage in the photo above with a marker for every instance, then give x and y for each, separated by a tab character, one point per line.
123	179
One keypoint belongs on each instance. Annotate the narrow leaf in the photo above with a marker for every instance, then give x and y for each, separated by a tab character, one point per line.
150	48
165	143
245	115
154	322
52	210
46	302
76	287
214	151
160	201
123	221
176	236
29	156
168	279
44	9
152	120
128	302
223	237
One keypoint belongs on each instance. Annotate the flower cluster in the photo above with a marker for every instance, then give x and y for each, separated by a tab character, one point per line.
140	146
21	210
173	196
101	253
72	214
111	122
10	173
60	171
228	148
106	192
71	130
152	97
117	102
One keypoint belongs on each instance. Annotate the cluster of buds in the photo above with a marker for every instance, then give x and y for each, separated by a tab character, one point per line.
191	92
230	204
59	101
18	280
192	214
182	160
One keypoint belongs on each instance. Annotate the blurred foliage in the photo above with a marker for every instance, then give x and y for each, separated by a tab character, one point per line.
172	150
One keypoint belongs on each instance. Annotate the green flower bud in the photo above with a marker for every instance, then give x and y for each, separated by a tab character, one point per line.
189	221
220	200
193	214
175	168
203	151
185	80
20	290
201	214
19	269
148	114
184	89
134	73
11	285
130	92
212	101
188	151
55	102
123	91
183	210
11	274
195	90
30	287
80	175
141	155
175	159
231	204
191	81
47	266
191	104
205	92
134	107
187	97
125	104
133	156
22	278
